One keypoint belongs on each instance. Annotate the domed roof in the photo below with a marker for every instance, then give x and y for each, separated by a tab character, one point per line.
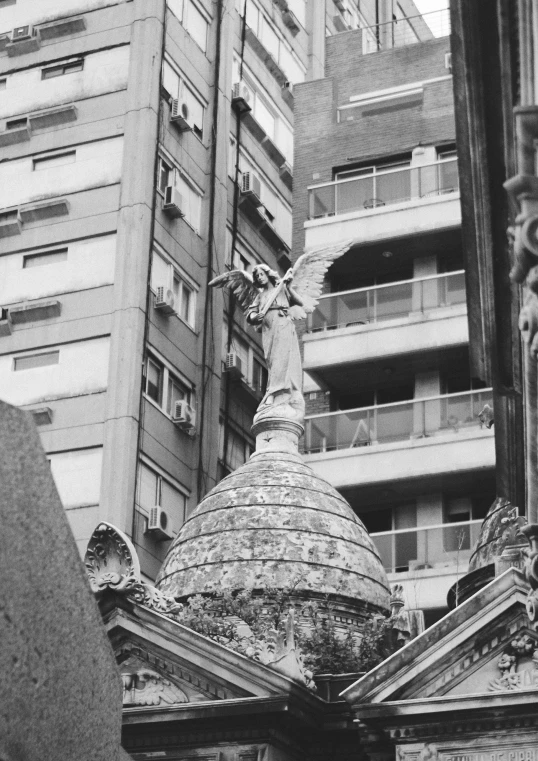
272	523
499	528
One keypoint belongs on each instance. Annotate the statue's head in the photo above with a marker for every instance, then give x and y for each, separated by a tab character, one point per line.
262	274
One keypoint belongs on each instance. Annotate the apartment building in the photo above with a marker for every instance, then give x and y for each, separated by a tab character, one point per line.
145	145
392	409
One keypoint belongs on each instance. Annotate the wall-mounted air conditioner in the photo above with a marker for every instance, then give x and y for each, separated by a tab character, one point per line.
180	116
234	366
164	300
251	187
184	416
173	202
23	33
242	97
159	524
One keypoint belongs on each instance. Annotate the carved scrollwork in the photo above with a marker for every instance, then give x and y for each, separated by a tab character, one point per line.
112	563
521	647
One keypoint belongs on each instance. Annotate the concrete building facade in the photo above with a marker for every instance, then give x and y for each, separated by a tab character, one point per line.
392	407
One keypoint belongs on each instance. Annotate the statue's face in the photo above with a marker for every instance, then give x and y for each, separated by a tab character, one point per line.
260	277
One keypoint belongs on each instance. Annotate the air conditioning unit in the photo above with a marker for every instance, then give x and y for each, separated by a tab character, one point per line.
180	116
184	416
251	187
159	524
234	366
23	33
242	97
448	61
173	202
164	300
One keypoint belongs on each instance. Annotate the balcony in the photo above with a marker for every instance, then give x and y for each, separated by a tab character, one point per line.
418	549
400	318
394	301
410	440
388	203
401	32
427	561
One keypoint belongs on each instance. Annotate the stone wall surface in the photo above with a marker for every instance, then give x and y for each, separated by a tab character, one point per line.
60	693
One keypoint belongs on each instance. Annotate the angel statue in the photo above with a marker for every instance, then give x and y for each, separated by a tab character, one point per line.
271	305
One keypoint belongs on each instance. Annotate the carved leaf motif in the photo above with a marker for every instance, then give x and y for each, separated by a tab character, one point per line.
147	688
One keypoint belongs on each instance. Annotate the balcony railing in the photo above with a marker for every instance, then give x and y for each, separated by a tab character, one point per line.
406	31
382	188
418	549
399	421
387	302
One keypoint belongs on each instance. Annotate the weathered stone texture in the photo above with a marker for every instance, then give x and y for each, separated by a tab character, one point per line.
60	694
272	523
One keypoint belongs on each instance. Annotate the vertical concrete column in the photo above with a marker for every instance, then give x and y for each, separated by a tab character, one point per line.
427	415
423	180
430	547
384	19
425	292
315	26
132	258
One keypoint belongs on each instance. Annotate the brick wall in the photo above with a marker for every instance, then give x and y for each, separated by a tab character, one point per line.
322	144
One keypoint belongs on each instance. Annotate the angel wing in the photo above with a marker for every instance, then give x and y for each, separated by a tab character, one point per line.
240	284
308	273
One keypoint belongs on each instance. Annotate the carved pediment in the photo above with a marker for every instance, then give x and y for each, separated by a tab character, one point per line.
484	646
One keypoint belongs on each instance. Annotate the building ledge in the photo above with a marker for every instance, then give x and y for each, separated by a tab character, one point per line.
51	117
266	57
35	310
35	212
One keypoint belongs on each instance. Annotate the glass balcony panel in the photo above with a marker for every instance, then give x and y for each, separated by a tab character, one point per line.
394	301
322	202
388	302
455	289
431	547
395	422
354	194
384	188
393	187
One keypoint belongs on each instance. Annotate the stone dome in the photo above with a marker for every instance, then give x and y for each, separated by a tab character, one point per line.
269	524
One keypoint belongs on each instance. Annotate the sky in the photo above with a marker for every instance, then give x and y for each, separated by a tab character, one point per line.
426	6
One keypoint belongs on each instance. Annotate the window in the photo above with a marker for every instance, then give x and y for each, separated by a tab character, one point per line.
277	212
252	366
259	377
165	275
274	43
163	386
44	257
177	88
155	489
192	18
58	159
70	67
31	361
154	380
17	123
191	196
164	177
238	449
192	200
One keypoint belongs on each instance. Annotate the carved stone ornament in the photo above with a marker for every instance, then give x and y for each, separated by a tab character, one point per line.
112	563
518	665
278	651
148	688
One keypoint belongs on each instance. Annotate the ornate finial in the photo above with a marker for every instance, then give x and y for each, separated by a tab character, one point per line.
486	416
112	563
396	599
